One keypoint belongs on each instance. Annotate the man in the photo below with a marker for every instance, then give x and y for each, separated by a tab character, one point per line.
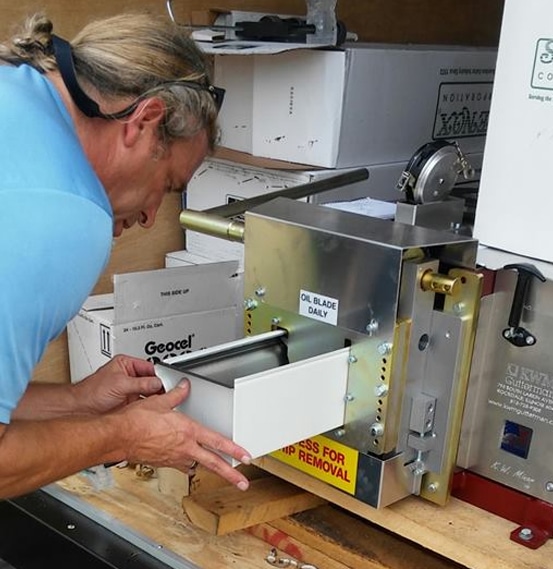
94	133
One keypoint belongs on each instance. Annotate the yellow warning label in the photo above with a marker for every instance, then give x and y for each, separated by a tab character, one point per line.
324	459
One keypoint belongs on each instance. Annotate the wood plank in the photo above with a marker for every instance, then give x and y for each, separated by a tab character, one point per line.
353	541
136	503
292	548
459	531
228	509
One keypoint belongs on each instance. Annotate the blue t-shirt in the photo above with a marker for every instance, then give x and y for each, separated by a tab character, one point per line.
56	225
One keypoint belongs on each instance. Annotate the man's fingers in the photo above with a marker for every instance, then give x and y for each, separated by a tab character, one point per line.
176	396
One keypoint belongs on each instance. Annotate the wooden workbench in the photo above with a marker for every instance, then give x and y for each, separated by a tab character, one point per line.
412	534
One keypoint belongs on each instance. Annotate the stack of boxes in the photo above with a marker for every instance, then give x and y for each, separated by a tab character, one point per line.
296	116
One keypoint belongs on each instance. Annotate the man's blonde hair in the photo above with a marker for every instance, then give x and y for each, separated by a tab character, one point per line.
129	56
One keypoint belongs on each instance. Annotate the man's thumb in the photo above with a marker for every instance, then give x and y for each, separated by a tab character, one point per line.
178	394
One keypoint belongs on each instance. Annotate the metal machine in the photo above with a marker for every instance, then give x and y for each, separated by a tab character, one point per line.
387	310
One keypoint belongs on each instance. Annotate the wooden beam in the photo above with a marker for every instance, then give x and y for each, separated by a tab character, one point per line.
459	531
228	509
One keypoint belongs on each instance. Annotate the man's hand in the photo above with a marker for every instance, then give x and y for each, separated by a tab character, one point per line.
159	436
116	384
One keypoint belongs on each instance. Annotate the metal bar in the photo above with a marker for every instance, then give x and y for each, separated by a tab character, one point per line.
309	189
104	519
214	225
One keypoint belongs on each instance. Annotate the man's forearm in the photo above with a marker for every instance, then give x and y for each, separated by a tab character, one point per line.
35	453
46	401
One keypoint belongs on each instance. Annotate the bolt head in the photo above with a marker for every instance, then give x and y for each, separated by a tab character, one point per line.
385	349
381	390
526	534
376	429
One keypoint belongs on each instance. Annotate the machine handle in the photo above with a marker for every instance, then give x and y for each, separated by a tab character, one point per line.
515	333
331	183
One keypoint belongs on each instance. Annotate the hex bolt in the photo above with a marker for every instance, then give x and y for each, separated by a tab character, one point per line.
458	307
260	292
372	327
381	390
250	303
526	534
376	430
385	348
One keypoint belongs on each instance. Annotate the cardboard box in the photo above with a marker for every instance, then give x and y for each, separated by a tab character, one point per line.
514	202
186	258
365	104
156	315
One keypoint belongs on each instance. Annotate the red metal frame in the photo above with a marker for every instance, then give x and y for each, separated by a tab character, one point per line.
534	516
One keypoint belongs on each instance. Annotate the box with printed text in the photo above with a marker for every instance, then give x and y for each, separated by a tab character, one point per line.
361	105
156	315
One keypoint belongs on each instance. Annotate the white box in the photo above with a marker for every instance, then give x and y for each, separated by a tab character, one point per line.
514	202
365	104
156	315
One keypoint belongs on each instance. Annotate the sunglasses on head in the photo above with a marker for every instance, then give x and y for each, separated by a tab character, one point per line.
90	108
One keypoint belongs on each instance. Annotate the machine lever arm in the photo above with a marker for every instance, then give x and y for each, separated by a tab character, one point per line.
515	333
325	184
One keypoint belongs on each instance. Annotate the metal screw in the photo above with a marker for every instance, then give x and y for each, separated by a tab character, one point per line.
385	348
71	526
376	429
381	390
458	307
260	292
372	327
352	359
275	321
433	487
549	487
348	397
339	433
526	534
530	340
250	303
448	335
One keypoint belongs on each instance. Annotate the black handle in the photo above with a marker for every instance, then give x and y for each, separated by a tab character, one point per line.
516	334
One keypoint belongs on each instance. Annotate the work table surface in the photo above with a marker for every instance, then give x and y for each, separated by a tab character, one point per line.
412	534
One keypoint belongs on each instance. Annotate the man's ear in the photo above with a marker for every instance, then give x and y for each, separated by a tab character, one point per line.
144	121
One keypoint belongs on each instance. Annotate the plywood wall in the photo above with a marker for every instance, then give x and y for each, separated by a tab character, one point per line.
470	22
